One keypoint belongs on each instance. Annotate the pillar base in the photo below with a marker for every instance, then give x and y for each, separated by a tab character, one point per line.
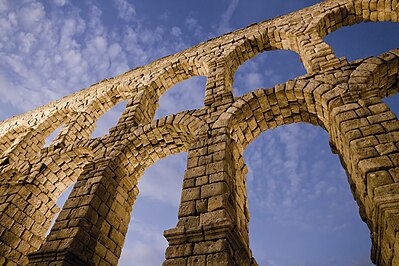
65	258
214	244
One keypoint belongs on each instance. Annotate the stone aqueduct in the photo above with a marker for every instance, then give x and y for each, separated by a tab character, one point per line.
342	97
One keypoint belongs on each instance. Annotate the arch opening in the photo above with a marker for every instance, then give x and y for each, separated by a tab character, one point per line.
108	120
60	203
350	41
267	70
300	199
52	136
185	95
154	211
393	103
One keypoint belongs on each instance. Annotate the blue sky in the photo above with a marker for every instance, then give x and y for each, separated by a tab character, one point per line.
302	210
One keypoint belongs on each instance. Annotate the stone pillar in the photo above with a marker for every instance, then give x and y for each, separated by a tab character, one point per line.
366	136
213	215
316	54
26	212
92	225
140	109
219	84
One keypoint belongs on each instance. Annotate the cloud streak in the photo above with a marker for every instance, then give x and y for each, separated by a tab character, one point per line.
224	25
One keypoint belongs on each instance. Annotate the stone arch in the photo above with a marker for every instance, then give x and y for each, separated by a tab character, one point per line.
177	129
29	143
256	39
58	171
249	42
78	127
316	54
52	175
120	171
131	161
142	106
362	132
355	11
297	100
80	122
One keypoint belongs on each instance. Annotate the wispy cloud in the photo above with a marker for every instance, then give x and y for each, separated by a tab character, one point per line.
146	246
194	26
176	31
60	2
126	11
163	181
59	51
282	192
224	25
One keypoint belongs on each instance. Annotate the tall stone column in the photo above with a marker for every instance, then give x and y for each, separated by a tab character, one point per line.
213	215
365	134
92	225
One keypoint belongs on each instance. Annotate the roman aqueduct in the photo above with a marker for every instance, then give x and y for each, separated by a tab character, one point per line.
344	98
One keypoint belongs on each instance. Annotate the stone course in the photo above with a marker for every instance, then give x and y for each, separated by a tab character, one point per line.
344	98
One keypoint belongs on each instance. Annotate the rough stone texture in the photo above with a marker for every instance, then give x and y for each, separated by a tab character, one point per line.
343	98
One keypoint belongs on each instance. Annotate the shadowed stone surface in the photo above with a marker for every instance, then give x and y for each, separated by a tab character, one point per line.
342	97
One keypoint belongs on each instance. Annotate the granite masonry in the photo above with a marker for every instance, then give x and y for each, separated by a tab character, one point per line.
344	98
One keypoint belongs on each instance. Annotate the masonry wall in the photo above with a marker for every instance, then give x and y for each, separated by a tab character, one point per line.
342	97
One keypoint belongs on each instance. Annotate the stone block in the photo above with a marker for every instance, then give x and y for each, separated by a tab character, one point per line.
210	247
217	202
214	217
189	194
187	208
181	250
377	179
214	189
220	259
197	260
175	262
375	164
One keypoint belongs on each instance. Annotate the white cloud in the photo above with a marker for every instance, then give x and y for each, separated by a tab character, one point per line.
176	31
143	254
31	14
27	41
126	11
62	51
193	25
60	2
251	75
146	247
224	26
254	80
3	5
163	181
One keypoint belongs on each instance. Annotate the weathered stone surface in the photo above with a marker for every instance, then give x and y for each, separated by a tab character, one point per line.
343	98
